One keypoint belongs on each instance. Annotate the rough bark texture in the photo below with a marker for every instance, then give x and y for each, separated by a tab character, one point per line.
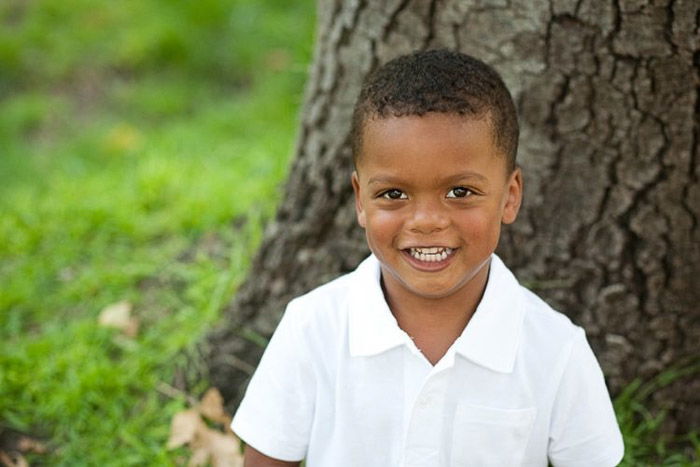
608	94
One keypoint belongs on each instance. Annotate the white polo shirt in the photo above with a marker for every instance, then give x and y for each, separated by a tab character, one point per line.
340	384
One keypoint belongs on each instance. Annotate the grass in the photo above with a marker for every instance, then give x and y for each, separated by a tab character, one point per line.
642	429
143	145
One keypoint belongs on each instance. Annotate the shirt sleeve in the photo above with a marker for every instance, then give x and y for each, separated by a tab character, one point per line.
277	410
584	430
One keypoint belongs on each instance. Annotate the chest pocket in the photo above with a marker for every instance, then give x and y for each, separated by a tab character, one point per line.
485	436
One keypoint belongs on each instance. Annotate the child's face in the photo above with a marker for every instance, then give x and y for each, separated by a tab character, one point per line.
431	193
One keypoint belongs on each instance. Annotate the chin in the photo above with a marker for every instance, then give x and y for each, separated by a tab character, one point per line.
432	293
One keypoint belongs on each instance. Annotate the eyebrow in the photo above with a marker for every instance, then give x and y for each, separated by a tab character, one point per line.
390	179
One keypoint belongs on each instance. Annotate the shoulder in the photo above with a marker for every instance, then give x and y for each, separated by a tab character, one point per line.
552	345
543	322
326	302
332	293
333	298
541	325
320	316
547	336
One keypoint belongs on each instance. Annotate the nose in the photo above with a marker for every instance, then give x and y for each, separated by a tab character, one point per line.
428	216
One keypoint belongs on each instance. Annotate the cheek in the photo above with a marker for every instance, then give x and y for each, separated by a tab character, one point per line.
383	224
481	224
382	217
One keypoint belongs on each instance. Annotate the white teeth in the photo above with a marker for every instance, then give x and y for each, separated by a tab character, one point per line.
431	254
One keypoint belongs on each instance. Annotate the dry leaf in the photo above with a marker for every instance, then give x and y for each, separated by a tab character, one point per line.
225	450
183	428
17	461
221	448
208	445
27	444
212	407
118	315
200	457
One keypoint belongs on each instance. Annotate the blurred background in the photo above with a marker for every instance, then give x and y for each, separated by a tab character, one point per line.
142	145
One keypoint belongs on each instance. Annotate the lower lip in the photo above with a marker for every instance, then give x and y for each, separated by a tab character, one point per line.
428	266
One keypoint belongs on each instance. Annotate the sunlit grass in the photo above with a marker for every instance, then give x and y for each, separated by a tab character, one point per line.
143	146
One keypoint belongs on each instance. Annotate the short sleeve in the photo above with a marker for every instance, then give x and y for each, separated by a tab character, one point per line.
276	412
583	430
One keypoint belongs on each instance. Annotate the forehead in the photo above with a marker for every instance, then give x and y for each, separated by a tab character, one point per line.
433	138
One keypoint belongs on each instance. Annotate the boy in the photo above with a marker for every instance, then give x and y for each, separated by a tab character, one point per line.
430	353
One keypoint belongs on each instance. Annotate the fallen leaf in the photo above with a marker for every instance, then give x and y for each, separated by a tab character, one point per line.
221	448
212	407
207	445
27	444
17	461
118	315
200	457
184	427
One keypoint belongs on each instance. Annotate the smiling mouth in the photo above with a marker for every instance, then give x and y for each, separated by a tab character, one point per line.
431	254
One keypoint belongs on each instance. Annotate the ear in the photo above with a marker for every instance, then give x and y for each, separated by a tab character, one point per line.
514	197
361	218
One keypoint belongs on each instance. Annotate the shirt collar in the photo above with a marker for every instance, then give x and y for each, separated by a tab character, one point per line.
490	339
372	327
492	336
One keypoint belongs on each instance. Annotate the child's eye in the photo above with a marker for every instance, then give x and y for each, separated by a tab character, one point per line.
459	192
394	194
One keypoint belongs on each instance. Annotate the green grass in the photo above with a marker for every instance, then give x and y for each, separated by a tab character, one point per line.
143	144
645	441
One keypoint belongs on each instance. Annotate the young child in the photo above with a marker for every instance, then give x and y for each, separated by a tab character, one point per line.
430	353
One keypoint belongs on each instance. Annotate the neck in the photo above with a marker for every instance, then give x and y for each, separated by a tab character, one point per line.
435	323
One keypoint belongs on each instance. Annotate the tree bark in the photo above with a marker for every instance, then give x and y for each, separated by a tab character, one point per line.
608	94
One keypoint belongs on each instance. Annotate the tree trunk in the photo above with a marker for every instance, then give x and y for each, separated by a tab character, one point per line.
608	94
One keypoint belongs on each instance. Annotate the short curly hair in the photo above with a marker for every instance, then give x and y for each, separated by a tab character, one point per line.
443	81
